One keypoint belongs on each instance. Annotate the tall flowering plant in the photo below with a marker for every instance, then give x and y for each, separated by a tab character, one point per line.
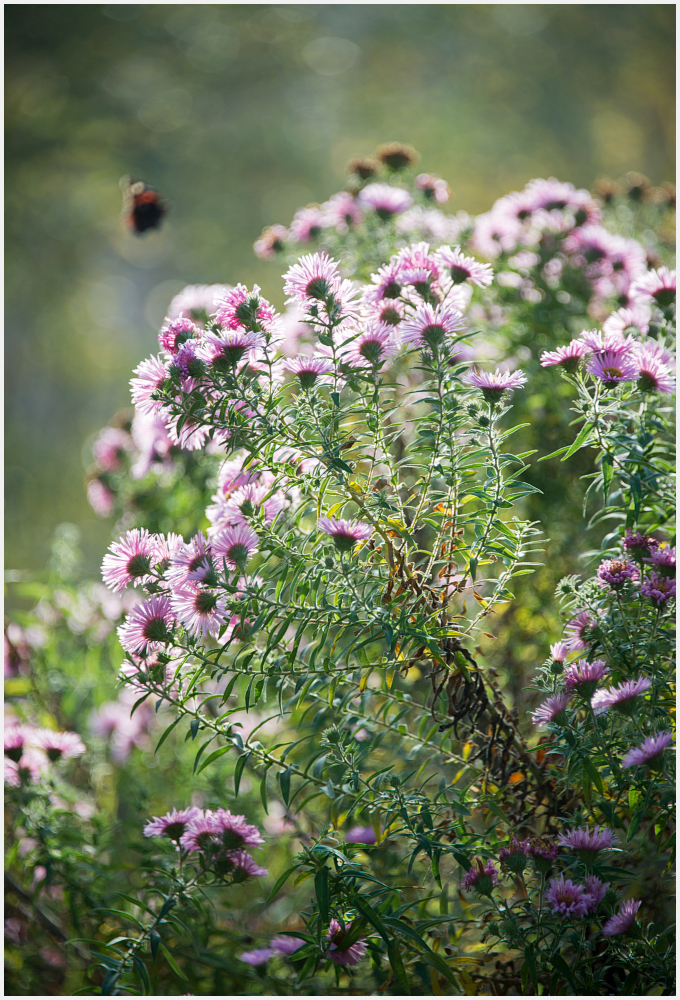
326	531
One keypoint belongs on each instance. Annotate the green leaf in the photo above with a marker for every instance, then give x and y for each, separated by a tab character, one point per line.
398	966
284	782
154	941
437	962
194	727
263	792
172	963
607	473
143	973
323	895
201	749
593	774
281	880
109	982
370	914
166	734
562	967
580	440
213	756
530	960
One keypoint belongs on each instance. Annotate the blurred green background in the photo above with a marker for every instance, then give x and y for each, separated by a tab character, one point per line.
238	114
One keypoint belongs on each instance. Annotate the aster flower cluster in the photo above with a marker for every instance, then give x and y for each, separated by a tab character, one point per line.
522	218
237	337
568	899
377	197
30	750
216	838
615	356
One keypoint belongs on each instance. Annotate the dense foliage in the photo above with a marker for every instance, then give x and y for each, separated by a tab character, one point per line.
328	584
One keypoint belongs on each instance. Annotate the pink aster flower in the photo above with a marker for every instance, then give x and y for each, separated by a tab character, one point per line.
59	746
196	302
663	559
149	626
32	765
239	307
429	327
151	437
341	212
587	843
361	835
612	367
567	898
271	243
385	200
433	187
100	498
220	829
599	341
653	374
232	474
375	345
494	384
482	878
424	223
551	710
515	856
558	651
495	233
314	278
151	375
568	356
344	533
241	866
658	588
310	371
130	559
248	501
576	631
632	320
336	952
307	224
236	545
110	448
417	264
201	612
17	739
284	945
390	312
617	573
386	283
583	676
256	957
543	852
659	285
624	919
639	545
191	561
648	751
226	349
175	333
172	825
556	196
597	890
620	697
462	268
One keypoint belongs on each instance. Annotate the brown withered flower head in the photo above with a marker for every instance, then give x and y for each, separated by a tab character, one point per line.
396	155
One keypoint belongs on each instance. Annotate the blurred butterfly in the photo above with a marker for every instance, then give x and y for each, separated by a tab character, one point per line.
143	206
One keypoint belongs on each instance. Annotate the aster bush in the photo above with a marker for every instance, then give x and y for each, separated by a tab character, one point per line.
331	522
